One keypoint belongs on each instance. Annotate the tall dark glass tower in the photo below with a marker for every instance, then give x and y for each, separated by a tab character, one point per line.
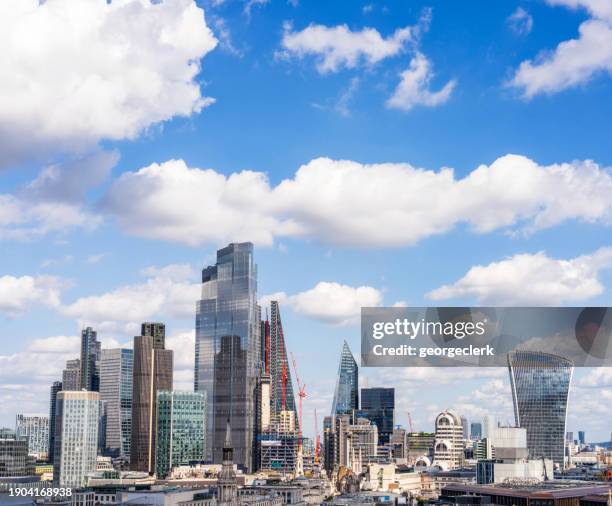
346	395
378	406
55	388
227	351
152	372
540	387
90	360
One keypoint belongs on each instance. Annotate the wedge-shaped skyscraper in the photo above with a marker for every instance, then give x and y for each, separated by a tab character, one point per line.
346	395
540	387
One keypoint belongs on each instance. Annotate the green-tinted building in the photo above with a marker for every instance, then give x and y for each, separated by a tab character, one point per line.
181	429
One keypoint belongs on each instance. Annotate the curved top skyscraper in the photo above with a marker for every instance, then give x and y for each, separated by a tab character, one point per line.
540	387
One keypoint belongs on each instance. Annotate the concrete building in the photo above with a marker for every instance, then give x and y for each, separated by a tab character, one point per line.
71	375
35	429
448	445
76	437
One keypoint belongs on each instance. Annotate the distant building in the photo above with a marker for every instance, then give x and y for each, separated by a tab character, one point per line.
14	458
448	445
476	430
36	430
540	386
90	360
116	376
378	406
181	430
71	375
55	388
398	442
279	443
466	429
346	395
420	444
152	372
581	437
76	437
227	351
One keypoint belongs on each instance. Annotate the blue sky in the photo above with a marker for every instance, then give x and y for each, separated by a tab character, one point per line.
137	136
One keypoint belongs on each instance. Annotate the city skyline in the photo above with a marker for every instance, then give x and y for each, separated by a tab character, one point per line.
447	160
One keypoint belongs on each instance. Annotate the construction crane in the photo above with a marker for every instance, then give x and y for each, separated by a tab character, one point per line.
410	422
301	394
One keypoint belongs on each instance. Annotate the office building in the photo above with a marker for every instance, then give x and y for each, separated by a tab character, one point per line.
378	406
90	360
55	388
116	375
476	430
281	392
419	444
279	445
540	386
581	437
76	437
466	429
35	429
181	430
399	443
346	394
71	376
152	372
227	352
14	458
448	445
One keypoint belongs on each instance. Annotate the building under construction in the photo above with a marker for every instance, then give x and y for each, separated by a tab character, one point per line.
280	447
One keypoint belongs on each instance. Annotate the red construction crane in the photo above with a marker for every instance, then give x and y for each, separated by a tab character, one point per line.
301	394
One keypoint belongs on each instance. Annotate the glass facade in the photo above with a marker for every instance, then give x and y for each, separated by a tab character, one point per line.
14	459
90	360
540	387
55	388
181	430
346	395
227	351
378	406
116	370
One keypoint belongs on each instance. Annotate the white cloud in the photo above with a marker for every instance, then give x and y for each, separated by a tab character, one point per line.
342	106
18	294
339	47
349	203
54	202
138	58
531	279
330	302
160	295
250	4
413	88
520	21
574	61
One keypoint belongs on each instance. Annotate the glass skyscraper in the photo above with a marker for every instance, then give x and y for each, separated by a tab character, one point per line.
227	351
540	387
378	406
116	369
181	430
346	395
90	360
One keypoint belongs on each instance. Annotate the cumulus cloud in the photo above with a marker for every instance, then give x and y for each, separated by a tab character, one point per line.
330	302
18	294
413	88
55	202
138	58
159	295
520	21
575	61
345	202
531	279
339	47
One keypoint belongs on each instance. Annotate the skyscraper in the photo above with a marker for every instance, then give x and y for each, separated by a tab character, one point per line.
152	372
90	360
181	429
466	429
476	430
14	459
448	445
378	406
36	430
71	376
116	371
581	437
540	386
346	395
55	388
76	437
227	351
282	398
